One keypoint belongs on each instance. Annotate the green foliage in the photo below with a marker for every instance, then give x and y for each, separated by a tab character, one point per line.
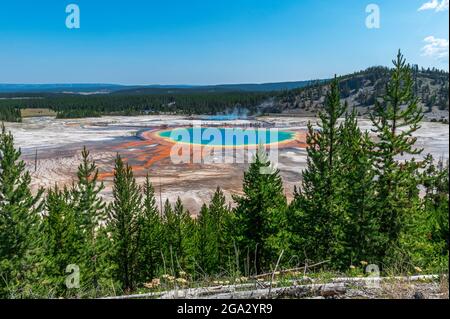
424	239
90	214
359	201
356	195
435	180
318	212
88	205
214	235
150	245
62	246
74	225
19	219
260	215
395	119
77	113
10	114
179	233
205	246
124	224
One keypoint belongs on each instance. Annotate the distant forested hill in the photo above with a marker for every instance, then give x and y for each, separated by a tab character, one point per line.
359	90
98	88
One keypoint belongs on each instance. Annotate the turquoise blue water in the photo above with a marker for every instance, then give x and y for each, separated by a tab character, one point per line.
227	136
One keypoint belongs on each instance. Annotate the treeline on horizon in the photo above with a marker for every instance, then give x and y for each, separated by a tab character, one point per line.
431	85
79	106
357	204
10	113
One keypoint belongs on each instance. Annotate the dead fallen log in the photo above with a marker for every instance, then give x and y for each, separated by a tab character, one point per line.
137	296
323	290
182	293
260	290
383	279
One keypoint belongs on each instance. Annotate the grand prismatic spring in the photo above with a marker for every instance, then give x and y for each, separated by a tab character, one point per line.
227	137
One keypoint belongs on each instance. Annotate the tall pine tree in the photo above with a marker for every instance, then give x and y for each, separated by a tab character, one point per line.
355	167
124	215
260	214
317	211
221	230
90	215
150	246
62	245
214	238
205	247
179	230
19	219
395	119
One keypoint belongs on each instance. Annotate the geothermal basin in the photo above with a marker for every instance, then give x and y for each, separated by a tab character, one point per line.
146	143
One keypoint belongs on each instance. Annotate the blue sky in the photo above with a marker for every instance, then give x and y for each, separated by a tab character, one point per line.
213	41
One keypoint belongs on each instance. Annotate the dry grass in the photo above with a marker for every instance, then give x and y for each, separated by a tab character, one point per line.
444	286
395	289
37	112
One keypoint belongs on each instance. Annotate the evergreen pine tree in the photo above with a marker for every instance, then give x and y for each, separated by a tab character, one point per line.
317	211
425	236
124	213
357	193
19	219
168	238
89	205
151	238
61	246
90	214
395	119
214	235
220	222
205	246
435	180
180	232
260	214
